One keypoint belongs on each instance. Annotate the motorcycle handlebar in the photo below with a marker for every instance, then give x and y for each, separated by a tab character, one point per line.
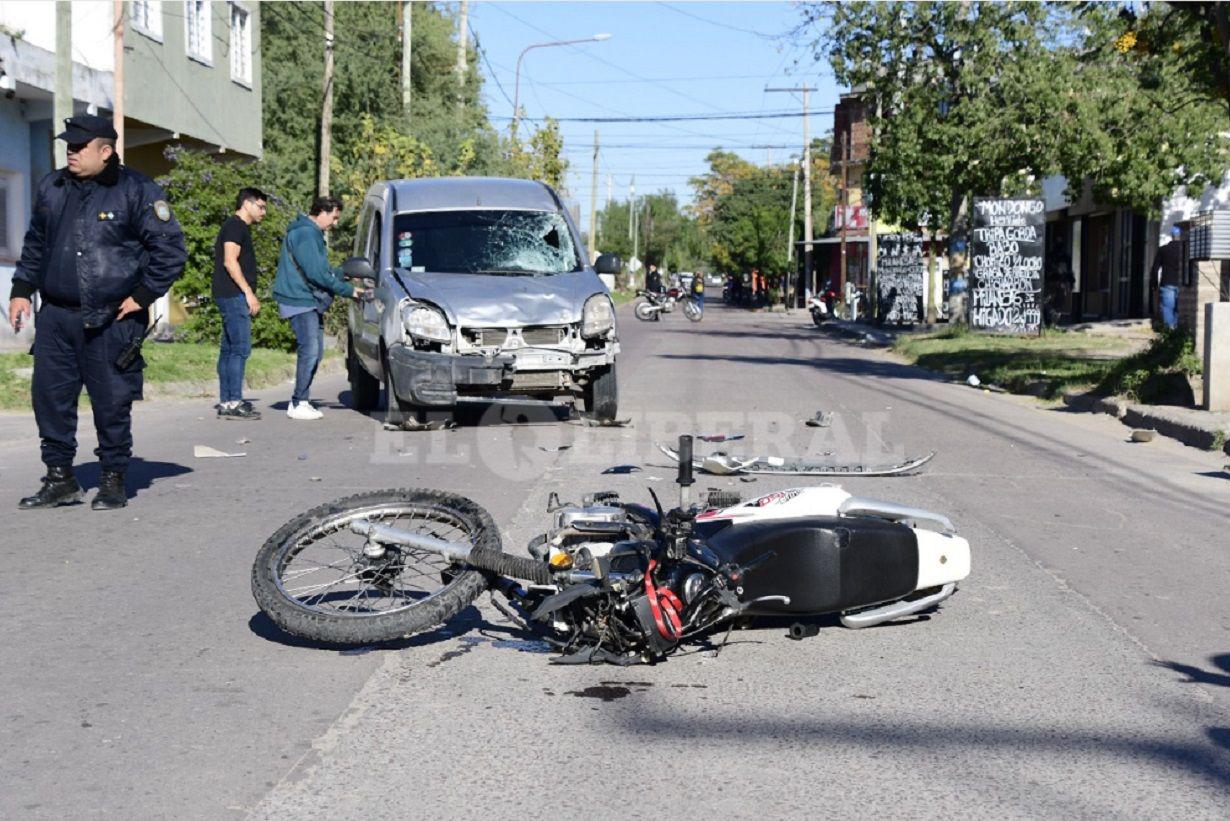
685	462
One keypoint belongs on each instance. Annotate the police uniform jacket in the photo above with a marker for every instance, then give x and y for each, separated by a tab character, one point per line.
128	243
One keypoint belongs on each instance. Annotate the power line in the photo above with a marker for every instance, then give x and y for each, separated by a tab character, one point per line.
483	53
592	56
752	32
676	118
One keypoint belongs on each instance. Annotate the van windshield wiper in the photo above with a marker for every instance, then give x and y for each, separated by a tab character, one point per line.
505	272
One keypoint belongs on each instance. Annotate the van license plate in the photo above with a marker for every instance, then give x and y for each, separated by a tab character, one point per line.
536	360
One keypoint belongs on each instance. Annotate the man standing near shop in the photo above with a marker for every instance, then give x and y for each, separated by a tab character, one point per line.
101	247
234	284
1169	270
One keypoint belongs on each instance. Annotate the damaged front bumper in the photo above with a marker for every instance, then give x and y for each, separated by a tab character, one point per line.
436	379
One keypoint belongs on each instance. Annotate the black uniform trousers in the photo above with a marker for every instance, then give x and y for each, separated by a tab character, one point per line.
68	355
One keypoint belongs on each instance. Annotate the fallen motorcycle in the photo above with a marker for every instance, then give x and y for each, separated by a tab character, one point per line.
611	581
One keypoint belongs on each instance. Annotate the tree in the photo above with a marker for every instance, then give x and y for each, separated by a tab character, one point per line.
744	211
956	98
210	185
989	98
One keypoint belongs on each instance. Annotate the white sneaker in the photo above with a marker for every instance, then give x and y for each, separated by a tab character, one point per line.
302	410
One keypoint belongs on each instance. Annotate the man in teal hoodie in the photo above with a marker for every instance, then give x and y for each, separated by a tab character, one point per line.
304	288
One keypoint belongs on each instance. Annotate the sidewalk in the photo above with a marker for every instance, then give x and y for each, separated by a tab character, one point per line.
1202	429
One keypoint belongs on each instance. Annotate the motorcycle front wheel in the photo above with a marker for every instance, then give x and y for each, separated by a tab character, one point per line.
693	311
313	579
645	311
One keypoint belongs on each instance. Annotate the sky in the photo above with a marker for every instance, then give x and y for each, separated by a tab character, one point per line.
662	59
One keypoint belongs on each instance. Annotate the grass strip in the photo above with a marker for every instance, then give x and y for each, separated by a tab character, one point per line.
1045	365
171	369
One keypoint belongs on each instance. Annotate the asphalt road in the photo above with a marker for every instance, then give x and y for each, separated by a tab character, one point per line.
1082	670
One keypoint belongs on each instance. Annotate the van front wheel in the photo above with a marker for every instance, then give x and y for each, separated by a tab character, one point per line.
601	395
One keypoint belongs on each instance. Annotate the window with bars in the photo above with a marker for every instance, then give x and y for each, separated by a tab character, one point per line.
145	16
241	45
198	36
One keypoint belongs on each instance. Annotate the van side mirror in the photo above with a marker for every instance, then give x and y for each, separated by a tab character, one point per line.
358	268
608	264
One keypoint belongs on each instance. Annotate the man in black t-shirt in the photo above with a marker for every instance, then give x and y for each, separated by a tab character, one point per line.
234	282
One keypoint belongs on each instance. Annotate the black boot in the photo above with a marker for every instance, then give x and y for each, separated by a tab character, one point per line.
59	488
111	494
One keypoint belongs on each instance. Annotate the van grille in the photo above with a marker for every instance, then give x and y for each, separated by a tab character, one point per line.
534	335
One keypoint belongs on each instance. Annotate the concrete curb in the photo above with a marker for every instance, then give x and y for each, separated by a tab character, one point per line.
1199	429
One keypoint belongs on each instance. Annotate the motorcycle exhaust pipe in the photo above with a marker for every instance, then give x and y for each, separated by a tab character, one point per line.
517	567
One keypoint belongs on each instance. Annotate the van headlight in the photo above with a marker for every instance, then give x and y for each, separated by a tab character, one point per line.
598	317
426	323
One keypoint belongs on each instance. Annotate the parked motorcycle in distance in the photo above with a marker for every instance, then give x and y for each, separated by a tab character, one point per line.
610	581
821	305
656	303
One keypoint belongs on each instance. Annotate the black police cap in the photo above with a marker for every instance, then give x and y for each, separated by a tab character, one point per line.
85	127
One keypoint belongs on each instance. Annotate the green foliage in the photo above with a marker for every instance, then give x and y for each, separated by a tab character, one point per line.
744	211
202	190
445	132
1159	373
989	98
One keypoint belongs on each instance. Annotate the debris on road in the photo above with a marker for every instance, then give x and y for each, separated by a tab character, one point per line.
243	440
822	419
206	452
973	381
553	448
591	422
413	425
620	470
723	464
1142	435
721	437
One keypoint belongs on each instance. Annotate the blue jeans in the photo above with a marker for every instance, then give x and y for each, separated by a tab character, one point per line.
309	331
235	348
1170	305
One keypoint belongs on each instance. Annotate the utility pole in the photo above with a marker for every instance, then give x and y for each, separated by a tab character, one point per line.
117	89
326	111
633	214
64	77
406	28
593	205
808	273
463	37
610	184
793	201
847	134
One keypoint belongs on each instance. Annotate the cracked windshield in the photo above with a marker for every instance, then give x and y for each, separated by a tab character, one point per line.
512	243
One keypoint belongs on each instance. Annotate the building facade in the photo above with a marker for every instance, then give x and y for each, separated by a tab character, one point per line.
191	72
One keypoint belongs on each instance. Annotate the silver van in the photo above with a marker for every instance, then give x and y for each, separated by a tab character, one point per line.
482	289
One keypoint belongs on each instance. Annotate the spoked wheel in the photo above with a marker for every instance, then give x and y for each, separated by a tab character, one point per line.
645	311
692	310
314	580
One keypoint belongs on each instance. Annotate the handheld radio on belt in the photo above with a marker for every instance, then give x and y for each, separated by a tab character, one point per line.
133	348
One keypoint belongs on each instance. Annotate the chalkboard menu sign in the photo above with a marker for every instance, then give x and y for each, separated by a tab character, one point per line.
1006	252
900	278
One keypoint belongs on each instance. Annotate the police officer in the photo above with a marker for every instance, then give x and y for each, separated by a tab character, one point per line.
101	247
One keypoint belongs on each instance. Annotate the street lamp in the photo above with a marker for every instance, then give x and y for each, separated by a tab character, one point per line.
517	83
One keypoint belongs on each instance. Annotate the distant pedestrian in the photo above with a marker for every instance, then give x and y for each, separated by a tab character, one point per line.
653	280
234	284
101	247
1169	270
304	288
698	288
